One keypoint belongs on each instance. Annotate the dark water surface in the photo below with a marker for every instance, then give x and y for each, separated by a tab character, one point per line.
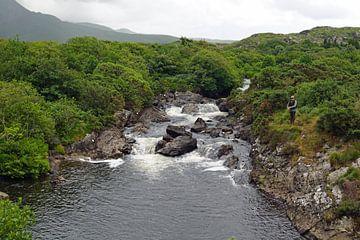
147	196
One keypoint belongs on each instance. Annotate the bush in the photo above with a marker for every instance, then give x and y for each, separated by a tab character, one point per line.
352	174
23	158
346	157
316	93
348	208
14	221
341	122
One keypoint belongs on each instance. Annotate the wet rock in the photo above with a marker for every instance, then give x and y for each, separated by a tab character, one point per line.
182	98
227	130
215	133
168	138
3	196
179	146
110	143
153	114
190	108
161	144
140	128
199	126
225	150
232	162
176	131
222	104
245	133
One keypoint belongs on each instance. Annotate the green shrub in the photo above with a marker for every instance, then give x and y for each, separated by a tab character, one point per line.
348	208
15	220
316	93
341	122
352	174
346	157
60	149
23	158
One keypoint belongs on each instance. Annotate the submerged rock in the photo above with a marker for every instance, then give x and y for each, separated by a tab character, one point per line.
179	146
199	126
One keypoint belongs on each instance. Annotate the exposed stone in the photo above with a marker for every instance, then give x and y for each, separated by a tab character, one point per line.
161	144
334	176
199	126
336	191
3	196
232	162
153	114
179	146
190	108
225	150
215	133
168	138
176	131
122	118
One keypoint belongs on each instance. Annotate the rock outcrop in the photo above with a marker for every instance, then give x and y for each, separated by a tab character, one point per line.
199	126
176	142
179	146
109	144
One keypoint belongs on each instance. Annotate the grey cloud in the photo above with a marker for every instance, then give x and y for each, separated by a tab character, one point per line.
313	9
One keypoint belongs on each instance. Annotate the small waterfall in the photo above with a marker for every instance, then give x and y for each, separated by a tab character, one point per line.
145	145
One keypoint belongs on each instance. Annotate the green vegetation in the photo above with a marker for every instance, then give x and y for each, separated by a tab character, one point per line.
14	221
348	208
352	174
54	94
340	159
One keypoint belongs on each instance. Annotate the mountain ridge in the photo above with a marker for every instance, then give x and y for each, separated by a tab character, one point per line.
17	21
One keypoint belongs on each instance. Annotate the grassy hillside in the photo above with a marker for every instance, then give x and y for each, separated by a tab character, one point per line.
16	21
317	35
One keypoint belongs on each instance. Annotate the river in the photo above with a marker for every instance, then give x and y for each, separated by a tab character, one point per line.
148	196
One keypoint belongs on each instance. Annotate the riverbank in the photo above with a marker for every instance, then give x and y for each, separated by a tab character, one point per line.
151	196
309	186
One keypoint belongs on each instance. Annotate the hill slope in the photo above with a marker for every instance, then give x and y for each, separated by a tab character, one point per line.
315	35
15	20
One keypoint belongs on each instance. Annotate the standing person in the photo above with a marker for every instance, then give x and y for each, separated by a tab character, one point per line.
291	106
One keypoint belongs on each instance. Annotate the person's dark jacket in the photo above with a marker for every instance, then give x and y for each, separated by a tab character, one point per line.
292	105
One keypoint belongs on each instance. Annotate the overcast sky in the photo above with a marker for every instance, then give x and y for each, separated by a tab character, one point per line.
221	19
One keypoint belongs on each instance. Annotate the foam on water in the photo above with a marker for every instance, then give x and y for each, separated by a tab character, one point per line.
113	163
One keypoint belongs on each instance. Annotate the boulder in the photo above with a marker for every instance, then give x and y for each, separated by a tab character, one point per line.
161	144
168	138
222	104
179	146
225	150
199	126
122	118
232	162
153	114
3	196
190	108
109	144
112	144
176	131
215	132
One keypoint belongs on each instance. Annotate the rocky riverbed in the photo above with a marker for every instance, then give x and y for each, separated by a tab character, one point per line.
309	190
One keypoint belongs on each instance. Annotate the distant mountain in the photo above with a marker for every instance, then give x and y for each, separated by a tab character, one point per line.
125	30
317	35
17	21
